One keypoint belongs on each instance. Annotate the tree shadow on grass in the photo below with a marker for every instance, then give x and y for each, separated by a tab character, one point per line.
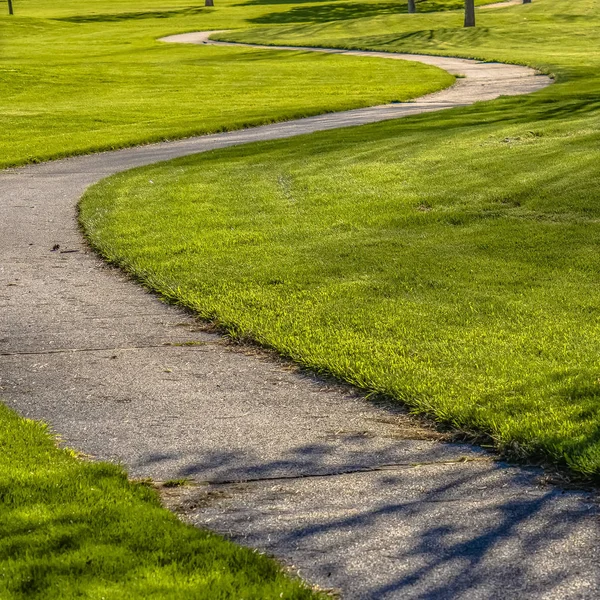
395	41
345	11
132	16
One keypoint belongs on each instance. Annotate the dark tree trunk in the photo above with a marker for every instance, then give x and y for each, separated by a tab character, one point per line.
526	1
412	7
10	8
469	13
209	3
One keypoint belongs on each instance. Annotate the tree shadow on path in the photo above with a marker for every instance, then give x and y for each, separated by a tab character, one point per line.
432	531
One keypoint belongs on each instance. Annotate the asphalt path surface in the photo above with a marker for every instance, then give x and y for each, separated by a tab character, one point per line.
356	495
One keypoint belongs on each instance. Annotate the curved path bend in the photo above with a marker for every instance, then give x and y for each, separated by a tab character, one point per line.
357	496
479	81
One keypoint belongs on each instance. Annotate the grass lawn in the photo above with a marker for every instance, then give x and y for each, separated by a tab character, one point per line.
79	77
449	260
73	529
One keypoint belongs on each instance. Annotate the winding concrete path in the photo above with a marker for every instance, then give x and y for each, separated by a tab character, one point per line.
357	496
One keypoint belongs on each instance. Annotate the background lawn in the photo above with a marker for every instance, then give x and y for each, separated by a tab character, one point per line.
449	260
79	77
73	529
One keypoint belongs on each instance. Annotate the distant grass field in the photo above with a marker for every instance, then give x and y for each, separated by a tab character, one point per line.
80	77
73	529
449	260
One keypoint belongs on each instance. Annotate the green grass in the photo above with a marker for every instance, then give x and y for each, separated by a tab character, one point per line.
73	529
80	78
449	260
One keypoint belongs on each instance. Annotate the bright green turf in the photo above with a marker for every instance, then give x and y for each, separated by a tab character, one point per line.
73	529
79	77
450	260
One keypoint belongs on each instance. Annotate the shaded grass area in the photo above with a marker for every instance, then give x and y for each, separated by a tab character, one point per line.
448	260
342	11
514	34
73	529
95	77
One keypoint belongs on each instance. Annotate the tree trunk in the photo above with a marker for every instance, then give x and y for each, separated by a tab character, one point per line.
10	8
412	7
209	3
526	1
469	13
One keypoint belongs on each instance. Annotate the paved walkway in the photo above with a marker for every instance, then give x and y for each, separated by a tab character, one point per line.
355	495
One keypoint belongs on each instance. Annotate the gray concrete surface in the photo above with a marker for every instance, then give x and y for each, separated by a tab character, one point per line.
356	495
468	530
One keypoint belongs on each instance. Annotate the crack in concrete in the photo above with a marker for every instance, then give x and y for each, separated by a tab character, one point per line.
337	473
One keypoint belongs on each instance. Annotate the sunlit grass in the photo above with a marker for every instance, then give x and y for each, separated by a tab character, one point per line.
79	78
73	529
448	260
